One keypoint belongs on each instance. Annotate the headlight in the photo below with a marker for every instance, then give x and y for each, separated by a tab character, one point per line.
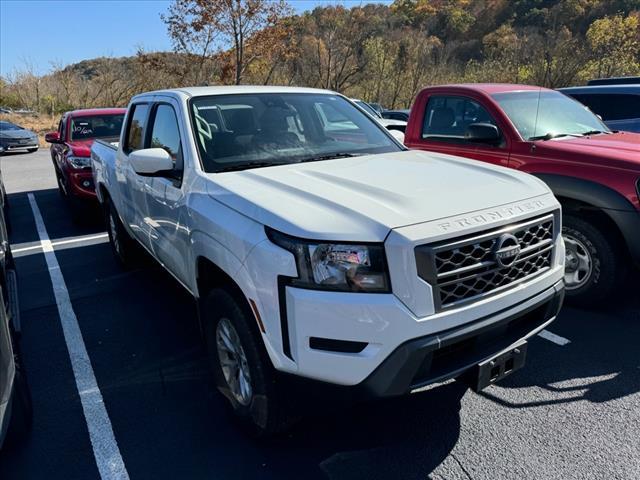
79	162
346	267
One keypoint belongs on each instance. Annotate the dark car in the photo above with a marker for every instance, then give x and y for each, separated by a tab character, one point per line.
14	137
15	399
617	105
614	81
396	115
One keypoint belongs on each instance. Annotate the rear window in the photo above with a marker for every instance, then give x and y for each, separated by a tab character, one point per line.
98	126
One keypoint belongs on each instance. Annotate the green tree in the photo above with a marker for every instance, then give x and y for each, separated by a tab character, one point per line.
615	44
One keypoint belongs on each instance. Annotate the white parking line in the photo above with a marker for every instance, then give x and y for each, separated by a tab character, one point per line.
84	239
105	448
552	337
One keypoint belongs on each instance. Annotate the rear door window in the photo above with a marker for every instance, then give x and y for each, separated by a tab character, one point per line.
136	128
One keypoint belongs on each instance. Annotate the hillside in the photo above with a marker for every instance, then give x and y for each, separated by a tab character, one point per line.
376	52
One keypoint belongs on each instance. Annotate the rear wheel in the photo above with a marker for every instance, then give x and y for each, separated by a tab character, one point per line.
122	245
242	370
594	264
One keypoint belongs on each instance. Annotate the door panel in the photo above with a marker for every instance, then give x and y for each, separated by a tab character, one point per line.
445	122
166	202
134	210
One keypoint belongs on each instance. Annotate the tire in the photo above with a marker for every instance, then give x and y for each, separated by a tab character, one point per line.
594	266
31	150
61	189
76	206
21	419
123	246
262	412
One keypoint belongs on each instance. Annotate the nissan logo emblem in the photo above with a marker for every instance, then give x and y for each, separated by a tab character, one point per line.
507	250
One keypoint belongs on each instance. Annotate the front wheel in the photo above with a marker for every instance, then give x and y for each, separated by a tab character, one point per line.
242	370
31	150
594	266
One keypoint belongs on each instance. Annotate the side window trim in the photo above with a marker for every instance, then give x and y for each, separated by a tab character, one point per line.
130	115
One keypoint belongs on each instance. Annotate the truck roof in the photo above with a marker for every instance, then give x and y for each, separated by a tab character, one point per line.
488	88
235	89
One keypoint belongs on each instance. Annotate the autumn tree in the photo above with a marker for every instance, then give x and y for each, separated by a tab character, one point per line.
225	26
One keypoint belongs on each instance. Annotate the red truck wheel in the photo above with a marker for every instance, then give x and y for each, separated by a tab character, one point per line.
594	267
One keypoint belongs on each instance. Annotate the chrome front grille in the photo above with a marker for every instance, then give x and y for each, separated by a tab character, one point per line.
464	269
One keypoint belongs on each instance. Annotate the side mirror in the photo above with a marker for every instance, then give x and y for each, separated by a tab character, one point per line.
52	137
482	133
398	135
151	161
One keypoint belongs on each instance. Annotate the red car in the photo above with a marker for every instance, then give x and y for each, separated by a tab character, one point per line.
71	150
593	171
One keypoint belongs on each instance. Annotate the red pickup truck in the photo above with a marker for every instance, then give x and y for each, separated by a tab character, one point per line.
71	150
593	171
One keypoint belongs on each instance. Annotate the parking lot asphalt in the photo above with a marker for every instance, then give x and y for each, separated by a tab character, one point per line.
572	413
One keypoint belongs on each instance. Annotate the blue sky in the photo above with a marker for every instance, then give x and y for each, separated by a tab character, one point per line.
66	31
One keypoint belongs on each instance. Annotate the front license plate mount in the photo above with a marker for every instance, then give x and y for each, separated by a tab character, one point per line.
502	365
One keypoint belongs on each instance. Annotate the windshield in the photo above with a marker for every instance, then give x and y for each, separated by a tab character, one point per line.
367	108
97	126
557	114
234	132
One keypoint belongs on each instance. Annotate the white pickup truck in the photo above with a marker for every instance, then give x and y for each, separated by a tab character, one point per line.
317	245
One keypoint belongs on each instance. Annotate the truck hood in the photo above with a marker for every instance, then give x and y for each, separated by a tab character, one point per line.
363	198
621	149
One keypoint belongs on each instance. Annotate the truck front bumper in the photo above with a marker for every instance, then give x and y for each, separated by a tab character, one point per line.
80	185
373	340
452	353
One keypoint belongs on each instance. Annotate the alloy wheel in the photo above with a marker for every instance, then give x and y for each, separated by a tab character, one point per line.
233	362
578	263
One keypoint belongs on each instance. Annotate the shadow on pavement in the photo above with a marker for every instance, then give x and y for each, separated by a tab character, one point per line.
599	365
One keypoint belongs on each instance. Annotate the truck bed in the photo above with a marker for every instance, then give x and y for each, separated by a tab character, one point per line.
111	143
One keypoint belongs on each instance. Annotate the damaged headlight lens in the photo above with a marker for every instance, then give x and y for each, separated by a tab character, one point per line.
346	267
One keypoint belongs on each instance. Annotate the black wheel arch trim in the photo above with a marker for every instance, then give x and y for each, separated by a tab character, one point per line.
611	203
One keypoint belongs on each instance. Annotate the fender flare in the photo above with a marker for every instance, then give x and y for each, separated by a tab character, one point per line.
621	212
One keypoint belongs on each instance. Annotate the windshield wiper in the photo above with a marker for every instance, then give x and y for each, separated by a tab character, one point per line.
331	156
246	165
594	132
549	136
